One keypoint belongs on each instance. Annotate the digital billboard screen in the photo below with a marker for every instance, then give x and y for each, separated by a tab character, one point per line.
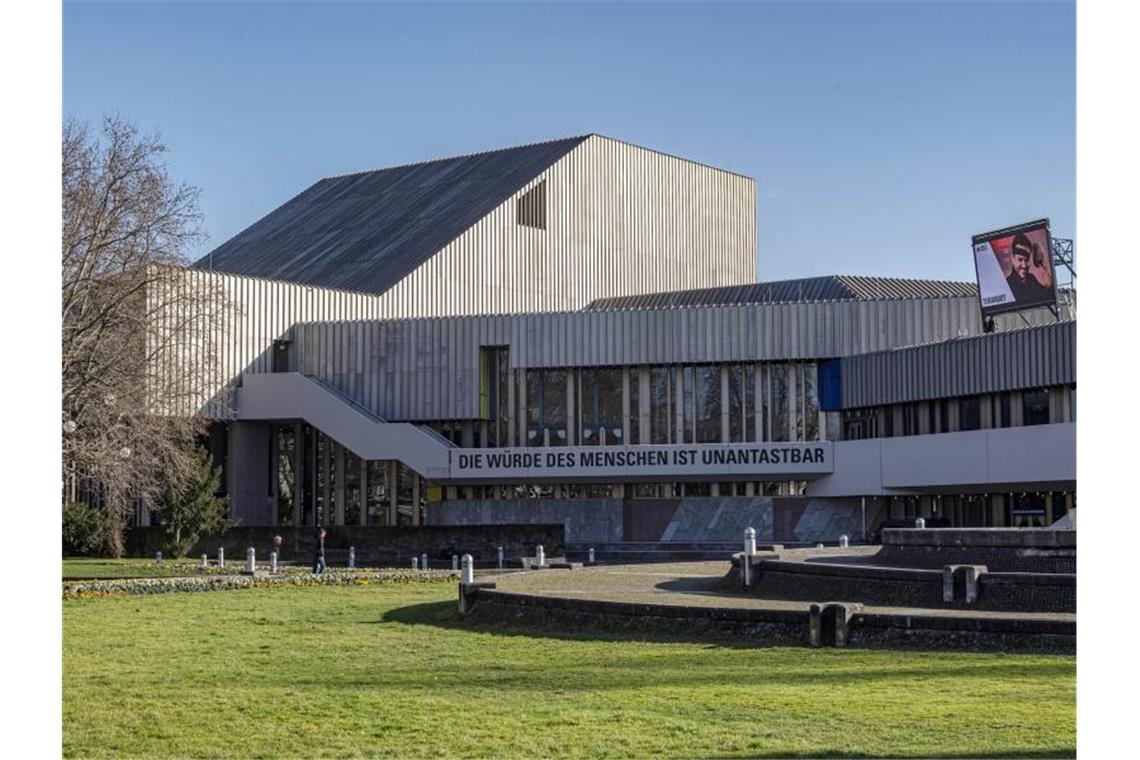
1015	268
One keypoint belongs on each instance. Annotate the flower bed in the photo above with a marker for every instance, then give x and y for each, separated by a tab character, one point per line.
126	586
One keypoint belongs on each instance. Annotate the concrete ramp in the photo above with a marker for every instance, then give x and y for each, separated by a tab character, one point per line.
284	396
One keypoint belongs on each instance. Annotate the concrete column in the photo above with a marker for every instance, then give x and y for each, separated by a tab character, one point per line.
393	492
573	424
725	413
274	476
248	472
416	487
363	517
626	407
644	403
340	489
512	410
298	480
315	464
520	394
1016	409
761	434
679	405
792	380
326	484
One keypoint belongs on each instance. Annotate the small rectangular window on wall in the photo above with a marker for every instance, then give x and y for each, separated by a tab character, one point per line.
531	207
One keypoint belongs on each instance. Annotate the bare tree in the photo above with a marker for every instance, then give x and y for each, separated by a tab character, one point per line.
138	328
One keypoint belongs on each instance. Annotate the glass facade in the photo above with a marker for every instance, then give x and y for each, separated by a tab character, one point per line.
599	404
546	407
662	400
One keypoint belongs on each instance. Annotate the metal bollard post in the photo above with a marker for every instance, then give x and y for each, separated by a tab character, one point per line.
352	558
273	563
423	561
158	558
500	558
843	541
539	556
415	563
749	541
221	556
591	555
468	570
454	562
919	523
250	561
205	562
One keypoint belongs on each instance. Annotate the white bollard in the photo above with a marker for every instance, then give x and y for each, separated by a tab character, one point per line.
158	558
415	563
749	541
205	562
352	558
454	562
250	561
591	555
221	557
468	570
423	562
539	556
919	523
273	563
843	541
500	558
819	546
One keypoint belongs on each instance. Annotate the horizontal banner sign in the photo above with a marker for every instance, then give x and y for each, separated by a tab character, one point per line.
729	461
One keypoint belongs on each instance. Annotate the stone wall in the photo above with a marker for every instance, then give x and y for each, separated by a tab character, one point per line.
1002	550
759	627
776	519
598	520
373	544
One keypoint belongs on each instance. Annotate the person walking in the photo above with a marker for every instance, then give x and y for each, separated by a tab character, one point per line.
319	558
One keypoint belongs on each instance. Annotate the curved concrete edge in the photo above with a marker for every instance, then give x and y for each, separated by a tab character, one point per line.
816	626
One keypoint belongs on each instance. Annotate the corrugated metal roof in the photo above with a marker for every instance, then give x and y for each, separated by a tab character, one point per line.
829	288
364	232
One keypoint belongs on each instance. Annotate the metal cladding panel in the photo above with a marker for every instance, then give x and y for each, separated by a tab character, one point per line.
1030	357
421	371
619	220
364	232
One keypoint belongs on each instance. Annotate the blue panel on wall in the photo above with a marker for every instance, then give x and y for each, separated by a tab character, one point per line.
830	385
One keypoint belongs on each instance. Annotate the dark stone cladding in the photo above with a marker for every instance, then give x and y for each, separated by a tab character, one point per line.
373	544
1001	550
907	587
761	627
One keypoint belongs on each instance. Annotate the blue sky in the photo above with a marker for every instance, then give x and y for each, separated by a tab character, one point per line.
880	135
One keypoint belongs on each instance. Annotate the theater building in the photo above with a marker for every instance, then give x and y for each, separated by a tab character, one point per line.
573	332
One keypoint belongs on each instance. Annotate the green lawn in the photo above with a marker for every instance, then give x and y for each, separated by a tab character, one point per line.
391	671
101	567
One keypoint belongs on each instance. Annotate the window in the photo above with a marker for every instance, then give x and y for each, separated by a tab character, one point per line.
1035	407
1002	417
546	407
531	207
661	401
599	405
779	401
809	400
701	393
280	356
969	413
741	399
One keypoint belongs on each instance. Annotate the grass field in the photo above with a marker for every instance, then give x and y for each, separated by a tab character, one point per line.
391	671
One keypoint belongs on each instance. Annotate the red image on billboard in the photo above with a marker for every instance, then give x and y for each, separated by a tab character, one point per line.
1015	268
